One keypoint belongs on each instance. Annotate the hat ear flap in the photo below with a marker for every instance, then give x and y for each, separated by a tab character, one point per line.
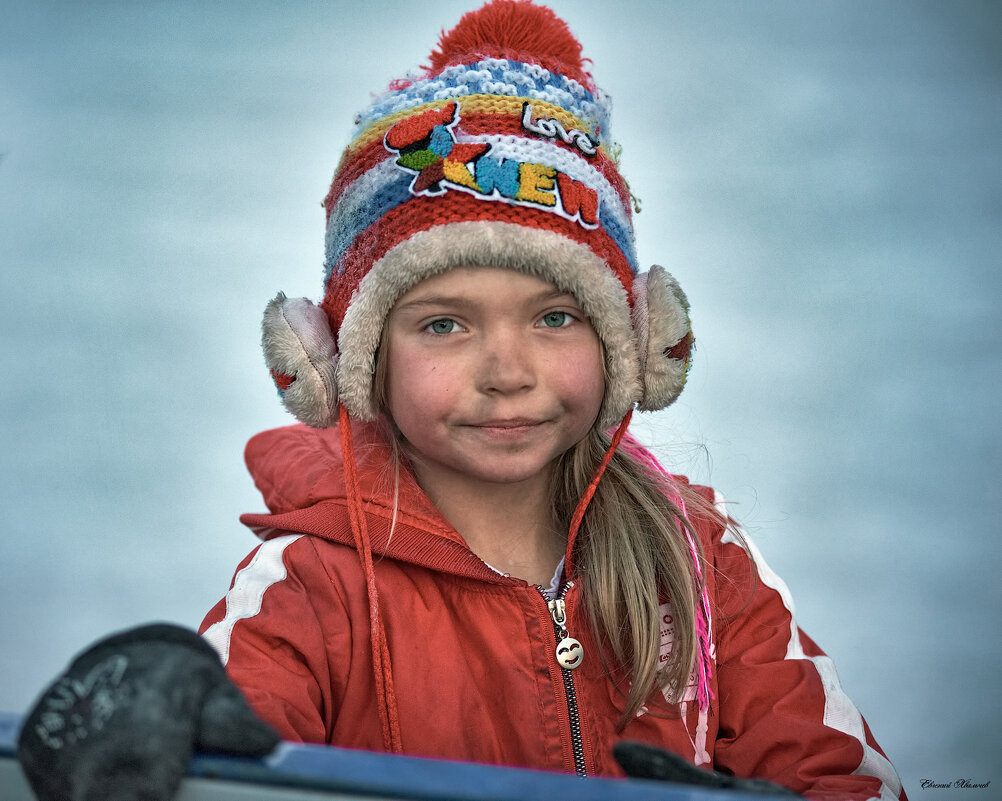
299	350
664	337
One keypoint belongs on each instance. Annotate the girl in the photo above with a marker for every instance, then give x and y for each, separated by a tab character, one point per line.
466	556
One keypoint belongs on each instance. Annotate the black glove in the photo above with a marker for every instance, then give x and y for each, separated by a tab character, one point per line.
123	720
642	761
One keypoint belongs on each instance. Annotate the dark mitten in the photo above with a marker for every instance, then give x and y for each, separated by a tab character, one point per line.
123	720
642	761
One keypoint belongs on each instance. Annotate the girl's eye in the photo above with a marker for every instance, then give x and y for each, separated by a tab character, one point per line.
443	326
557	319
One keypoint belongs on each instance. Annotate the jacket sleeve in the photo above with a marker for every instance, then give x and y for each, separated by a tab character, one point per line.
783	714
269	637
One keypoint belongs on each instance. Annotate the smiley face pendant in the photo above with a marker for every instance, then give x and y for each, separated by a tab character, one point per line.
569	653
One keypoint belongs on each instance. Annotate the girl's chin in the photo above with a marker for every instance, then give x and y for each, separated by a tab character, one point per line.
492	470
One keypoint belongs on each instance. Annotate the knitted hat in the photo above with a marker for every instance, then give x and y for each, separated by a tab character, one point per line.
496	155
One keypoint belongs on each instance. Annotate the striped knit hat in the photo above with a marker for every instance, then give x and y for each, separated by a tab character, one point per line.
496	155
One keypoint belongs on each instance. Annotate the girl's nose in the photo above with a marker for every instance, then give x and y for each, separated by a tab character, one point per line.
505	365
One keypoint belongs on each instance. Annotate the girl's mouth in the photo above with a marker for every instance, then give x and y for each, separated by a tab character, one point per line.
507	429
513	422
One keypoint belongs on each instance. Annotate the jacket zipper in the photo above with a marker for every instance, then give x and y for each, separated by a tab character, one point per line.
569	655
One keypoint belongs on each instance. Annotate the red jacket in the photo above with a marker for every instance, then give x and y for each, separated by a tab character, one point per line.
472	651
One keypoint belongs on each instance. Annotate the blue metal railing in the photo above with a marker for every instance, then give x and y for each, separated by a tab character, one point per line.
296	771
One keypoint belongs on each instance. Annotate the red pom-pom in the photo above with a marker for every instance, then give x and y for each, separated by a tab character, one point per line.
517	30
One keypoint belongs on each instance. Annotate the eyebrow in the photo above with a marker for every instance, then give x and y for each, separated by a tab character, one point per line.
462	301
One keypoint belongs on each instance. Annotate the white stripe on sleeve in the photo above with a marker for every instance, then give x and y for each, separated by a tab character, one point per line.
244	599
840	712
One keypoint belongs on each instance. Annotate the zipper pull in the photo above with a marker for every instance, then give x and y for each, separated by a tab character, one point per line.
569	651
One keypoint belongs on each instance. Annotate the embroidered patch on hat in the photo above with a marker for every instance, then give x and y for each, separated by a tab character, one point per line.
426	145
552	128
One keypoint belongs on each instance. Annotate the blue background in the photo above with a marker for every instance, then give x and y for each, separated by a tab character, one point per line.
823	179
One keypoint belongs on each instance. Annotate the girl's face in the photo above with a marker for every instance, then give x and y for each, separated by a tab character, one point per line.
491	374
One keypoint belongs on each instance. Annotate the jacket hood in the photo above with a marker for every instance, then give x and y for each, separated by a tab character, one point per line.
300	473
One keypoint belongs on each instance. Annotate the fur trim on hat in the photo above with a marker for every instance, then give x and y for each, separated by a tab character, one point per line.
568	265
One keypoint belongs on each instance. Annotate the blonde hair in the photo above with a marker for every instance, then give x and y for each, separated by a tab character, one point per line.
632	554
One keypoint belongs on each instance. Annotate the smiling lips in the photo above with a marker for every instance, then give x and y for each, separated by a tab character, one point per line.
511	428
515	422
